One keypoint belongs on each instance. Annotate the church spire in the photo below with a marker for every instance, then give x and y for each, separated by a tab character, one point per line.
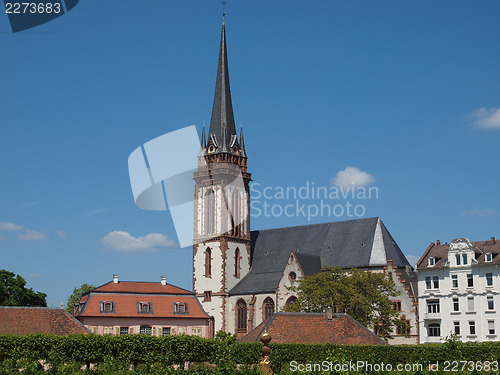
222	126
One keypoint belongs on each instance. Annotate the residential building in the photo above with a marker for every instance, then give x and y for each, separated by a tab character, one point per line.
310	328
158	309
241	276
458	291
24	320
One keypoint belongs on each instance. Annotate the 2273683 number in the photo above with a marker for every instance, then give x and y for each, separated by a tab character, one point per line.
22	8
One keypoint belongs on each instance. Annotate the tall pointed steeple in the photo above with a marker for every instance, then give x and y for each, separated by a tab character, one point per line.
222	126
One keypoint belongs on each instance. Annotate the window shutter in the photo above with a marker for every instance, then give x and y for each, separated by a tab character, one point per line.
186	309
117	331
150	307
138	307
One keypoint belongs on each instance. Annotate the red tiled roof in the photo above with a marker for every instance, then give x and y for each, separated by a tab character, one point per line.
440	253
141	287
24	320
126	306
307	328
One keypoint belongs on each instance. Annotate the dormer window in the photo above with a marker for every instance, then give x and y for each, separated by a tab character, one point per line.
107	306
457	258
488	257
180	308
145	307
464	258
432	261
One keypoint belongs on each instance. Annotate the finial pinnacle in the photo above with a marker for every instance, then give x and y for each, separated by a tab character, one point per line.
223	12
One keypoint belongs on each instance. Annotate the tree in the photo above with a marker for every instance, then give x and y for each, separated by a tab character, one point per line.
362	295
75	297
14	293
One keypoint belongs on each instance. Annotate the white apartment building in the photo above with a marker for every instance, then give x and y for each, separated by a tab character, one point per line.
458	291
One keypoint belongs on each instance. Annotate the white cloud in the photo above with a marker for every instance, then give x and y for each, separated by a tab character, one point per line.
61	233
480	212
10	227
485	118
352	177
123	241
31	235
97	211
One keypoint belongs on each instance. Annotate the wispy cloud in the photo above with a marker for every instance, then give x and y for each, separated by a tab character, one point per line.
479	212
61	233
4	226
352	177
485	118
31	235
97	211
123	241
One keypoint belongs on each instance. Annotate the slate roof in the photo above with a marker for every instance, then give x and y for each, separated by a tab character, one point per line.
25	320
308	328
360	243
140	287
440	252
222	125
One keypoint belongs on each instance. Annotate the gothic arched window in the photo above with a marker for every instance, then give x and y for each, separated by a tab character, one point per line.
268	307
209	212
235	213
241	315
237	262
291	300
208	262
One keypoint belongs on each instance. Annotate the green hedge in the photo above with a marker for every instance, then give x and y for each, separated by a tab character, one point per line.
146	354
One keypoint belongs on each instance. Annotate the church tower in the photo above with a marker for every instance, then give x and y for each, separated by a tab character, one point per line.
221	250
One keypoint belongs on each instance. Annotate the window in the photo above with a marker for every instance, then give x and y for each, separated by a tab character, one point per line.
235	214
237	267
107	306
208	262
432	282
108	330
456	325
488	257
268	308
454	280
241	312
491	327
433	306
291	300
464	258
165	331
145	307
470	303
432	261
145	330
396	305
456	305
472	327
292	276
196	331
491	305
489	279
123	330
470	280
210	212
434	330
457	258
403	326
207	296
181	331
180	308
435	282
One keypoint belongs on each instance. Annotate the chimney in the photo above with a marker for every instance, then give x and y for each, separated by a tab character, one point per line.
329	313
163	280
438	242
493	240
115	278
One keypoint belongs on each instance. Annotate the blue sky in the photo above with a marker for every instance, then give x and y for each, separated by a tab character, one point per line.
404	92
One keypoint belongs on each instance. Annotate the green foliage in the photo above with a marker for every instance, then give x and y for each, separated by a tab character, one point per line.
75	297
141	354
362	295
13	292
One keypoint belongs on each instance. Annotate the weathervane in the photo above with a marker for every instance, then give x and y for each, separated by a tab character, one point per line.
223	8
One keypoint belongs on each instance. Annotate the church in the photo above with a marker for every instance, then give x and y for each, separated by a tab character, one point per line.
241	276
